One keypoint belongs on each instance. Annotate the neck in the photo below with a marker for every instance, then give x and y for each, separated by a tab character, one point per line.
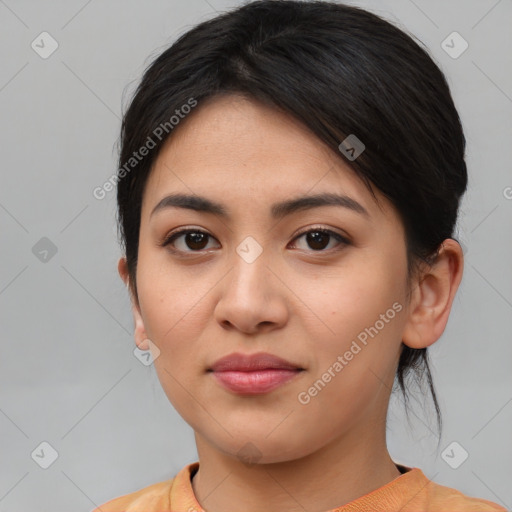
341	471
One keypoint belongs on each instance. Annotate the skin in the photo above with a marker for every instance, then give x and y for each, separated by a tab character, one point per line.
301	304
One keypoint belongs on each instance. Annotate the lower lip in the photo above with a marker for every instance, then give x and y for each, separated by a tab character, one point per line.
254	382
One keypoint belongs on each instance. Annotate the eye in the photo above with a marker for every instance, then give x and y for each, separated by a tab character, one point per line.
318	238
197	240
194	239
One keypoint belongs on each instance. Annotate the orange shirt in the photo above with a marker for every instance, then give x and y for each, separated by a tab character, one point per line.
412	491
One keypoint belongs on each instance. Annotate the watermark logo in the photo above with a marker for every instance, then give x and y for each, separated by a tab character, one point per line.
454	455
44	455
147	357
249	249
249	454
454	45
351	147
44	45
44	250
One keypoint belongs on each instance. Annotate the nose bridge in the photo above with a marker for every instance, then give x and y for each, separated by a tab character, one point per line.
250	297
250	262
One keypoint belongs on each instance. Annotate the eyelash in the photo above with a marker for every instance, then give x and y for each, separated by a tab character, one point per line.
174	235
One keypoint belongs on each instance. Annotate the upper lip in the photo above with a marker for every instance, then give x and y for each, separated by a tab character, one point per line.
252	362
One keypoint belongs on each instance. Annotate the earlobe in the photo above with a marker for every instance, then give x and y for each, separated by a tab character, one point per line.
122	268
432	299
141	338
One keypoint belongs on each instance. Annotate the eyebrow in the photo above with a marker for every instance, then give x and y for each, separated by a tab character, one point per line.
278	210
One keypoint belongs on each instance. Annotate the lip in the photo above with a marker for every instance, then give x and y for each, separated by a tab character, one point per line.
253	374
252	362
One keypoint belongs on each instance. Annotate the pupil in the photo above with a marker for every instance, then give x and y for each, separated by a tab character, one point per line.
315	238
194	238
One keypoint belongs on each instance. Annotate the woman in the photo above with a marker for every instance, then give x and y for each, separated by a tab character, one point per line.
289	182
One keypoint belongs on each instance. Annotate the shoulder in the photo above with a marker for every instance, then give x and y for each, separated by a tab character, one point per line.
441	498
156	496
414	492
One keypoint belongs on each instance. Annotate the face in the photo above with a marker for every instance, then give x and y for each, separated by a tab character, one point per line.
322	287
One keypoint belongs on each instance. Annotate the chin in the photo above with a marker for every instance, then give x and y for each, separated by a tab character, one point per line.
261	450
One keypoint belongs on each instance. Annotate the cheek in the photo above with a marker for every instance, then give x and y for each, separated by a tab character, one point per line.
363	320
171	297
174	319
353	300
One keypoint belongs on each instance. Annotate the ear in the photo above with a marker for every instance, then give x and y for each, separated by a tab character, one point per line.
432	298
141	338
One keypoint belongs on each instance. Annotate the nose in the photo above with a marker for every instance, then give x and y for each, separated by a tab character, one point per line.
252	297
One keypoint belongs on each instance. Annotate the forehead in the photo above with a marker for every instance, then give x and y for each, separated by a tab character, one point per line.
237	150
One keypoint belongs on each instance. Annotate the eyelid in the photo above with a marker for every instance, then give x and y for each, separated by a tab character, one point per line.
183	231
341	238
322	228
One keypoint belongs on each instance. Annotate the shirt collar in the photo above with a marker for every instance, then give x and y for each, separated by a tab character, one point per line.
396	494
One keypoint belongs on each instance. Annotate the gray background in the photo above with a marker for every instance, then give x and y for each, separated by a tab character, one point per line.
68	374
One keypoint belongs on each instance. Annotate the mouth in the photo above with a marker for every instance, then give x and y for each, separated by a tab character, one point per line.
253	374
